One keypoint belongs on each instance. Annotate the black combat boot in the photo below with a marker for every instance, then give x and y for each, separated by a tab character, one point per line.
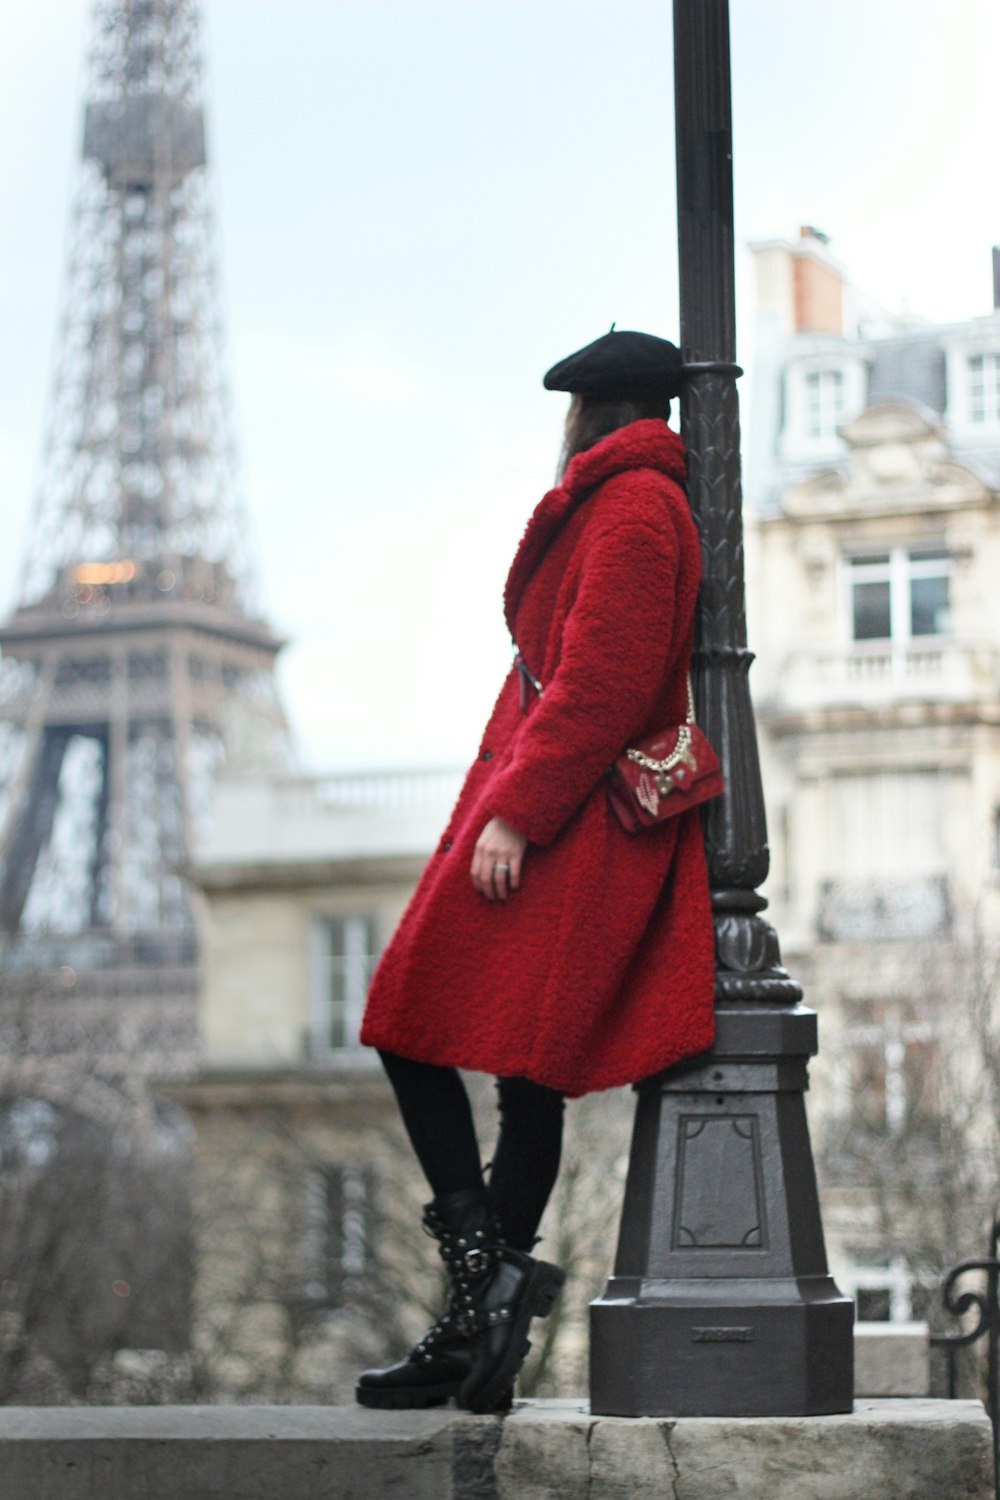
434	1369
499	1305
476	1349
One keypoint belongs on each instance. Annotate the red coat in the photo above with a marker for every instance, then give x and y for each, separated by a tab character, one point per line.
599	970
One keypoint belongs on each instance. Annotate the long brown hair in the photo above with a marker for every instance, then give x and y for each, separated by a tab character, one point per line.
591	418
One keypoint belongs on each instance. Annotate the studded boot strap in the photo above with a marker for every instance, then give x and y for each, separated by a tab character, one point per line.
468	1259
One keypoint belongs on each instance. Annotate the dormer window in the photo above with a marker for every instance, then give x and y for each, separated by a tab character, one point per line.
822	391
984	389
900	593
972	373
824	403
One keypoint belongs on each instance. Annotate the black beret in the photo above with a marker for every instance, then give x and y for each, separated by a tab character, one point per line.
620	364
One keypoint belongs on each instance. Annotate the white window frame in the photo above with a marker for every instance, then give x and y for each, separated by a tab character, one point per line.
359	965
893	1035
961	418
798	442
824	402
894	1277
899	572
983	412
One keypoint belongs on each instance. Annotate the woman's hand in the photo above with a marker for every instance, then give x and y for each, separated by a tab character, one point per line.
496	863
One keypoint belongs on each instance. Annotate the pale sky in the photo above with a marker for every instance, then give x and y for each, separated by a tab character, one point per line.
424	205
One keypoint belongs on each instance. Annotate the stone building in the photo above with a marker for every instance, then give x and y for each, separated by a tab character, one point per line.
873	478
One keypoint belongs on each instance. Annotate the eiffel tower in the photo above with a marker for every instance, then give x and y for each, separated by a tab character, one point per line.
136	663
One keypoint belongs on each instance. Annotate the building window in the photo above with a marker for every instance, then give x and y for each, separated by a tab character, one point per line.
890	823
883	1293
984	389
900	594
884	856
340	1232
874	1303
824	403
345	953
894	1072
820	392
871	598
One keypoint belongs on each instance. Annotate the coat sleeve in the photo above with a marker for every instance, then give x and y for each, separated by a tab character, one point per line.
615	648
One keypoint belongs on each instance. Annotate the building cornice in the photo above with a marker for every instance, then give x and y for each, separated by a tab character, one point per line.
301	874
854	718
354	1079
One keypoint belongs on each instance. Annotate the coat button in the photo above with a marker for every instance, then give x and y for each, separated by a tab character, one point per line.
487	755
447	844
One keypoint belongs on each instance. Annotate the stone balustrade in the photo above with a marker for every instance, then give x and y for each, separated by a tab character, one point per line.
871	673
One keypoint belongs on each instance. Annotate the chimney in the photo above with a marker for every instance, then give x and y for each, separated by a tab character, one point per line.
800	287
817	285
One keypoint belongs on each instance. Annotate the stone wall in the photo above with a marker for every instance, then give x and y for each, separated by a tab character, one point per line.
885	1450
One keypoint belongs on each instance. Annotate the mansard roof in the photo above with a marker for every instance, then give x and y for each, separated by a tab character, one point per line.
910	368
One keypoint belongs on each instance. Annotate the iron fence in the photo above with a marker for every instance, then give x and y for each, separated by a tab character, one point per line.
983	1300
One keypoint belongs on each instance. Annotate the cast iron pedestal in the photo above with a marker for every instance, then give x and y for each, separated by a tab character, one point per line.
721	1303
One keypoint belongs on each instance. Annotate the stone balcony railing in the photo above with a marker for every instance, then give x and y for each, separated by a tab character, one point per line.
873	674
380	791
884	907
267	817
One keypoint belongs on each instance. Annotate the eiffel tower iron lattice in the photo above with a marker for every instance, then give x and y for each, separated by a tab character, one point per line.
135	663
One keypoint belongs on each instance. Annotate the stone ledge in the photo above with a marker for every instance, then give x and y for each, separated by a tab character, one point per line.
883	1450
892	1359
545	1450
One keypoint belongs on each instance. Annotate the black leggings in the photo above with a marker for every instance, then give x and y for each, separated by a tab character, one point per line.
438	1119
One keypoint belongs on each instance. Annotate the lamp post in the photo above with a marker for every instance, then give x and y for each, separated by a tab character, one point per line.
721	1302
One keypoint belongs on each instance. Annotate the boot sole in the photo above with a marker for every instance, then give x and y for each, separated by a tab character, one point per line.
544	1285
404	1397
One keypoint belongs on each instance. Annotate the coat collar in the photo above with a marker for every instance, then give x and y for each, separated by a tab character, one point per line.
646	444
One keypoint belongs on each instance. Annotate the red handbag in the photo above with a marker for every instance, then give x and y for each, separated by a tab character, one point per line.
664	775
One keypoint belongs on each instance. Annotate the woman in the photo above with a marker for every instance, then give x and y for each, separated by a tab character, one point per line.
544	944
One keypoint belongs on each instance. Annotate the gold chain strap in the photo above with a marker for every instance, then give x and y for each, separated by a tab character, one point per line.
680	752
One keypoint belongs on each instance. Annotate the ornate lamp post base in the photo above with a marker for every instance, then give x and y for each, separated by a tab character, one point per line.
721	1303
